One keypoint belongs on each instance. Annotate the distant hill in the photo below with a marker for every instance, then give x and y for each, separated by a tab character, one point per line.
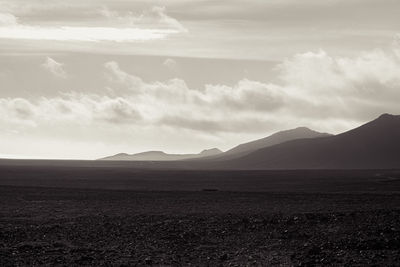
274	139
372	145
161	156
216	154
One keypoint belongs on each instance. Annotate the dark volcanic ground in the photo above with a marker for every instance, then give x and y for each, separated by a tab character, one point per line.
341	218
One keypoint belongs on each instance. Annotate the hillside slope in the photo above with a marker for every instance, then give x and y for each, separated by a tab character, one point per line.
372	145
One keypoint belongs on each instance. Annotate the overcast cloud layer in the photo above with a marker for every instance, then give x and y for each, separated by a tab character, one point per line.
56	101
254	29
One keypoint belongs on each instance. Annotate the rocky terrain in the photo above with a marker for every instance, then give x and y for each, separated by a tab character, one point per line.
70	227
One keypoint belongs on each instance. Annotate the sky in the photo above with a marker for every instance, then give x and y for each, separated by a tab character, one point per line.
87	79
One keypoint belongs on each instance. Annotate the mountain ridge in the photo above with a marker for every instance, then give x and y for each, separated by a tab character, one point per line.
216	154
156	155
371	145
273	139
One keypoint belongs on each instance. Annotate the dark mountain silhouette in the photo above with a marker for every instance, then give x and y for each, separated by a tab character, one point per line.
274	139
372	145
161	156
216	154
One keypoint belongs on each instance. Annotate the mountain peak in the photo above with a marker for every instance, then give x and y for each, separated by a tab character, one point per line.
386	116
274	139
211	151
302	128
121	154
373	145
298	133
161	156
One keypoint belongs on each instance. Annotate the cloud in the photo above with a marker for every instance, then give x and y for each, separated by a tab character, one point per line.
7	19
54	67
344	87
115	74
226	29
133	101
159	14
154	24
155	17
73	108
171	64
245	95
214	126
18	108
315	90
173	104
325	74
84	34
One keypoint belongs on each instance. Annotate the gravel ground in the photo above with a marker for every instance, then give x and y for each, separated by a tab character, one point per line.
75	227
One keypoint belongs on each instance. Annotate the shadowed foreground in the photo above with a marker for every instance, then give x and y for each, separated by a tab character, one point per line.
64	226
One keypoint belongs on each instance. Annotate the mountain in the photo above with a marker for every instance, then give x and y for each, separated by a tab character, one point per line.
374	145
161	156
274	139
216	154
210	152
